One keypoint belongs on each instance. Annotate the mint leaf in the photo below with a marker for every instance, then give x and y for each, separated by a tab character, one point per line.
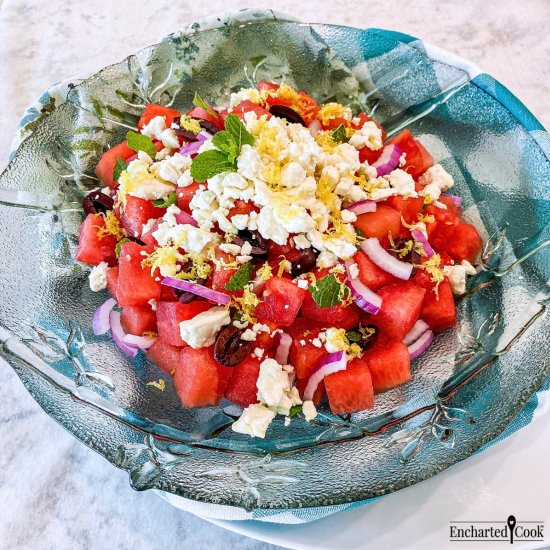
168	201
198	101
208	164
139	142
241	278
326	291
339	134
235	126
294	410
119	244
120	166
224	142
354	336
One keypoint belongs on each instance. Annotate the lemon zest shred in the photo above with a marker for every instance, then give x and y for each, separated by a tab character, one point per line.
149	334
190	124
160	385
111	226
265	272
246	304
332	110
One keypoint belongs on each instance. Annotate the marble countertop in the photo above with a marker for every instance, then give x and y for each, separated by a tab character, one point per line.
55	492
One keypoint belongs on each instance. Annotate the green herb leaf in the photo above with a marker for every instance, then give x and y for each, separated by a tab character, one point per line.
168	201
208	164
235	126
294	410
241	278
354	336
120	166
339	134
198	101
119	244
226	144
139	142
326	291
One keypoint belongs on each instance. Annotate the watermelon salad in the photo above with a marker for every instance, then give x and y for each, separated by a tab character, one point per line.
276	253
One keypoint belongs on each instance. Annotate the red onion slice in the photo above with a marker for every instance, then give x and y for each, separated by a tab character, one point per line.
362	207
140	342
190	148
118	334
100	321
281	355
332	363
421	345
417	235
365	298
185	218
457	200
418	329
315	127
388	160
199	290
383	259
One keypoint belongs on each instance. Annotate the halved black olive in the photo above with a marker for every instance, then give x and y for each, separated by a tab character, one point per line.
258	243
306	261
229	349
186	134
97	202
210	127
282	111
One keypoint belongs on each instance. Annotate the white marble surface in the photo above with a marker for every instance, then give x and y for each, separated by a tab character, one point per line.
54	492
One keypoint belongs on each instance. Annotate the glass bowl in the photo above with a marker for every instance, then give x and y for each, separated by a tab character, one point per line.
465	389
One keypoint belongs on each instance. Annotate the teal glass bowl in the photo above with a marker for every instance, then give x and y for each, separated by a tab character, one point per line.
466	389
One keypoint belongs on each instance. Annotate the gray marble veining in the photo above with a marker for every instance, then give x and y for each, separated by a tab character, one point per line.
55	492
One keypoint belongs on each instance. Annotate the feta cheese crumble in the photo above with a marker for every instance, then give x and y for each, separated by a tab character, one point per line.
457	275
201	330
98	277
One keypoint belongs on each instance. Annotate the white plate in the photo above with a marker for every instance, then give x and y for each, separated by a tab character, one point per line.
512	477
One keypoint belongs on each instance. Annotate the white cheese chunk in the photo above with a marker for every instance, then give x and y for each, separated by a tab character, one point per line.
201	330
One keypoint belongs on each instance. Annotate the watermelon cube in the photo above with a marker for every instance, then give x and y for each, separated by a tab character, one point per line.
439	310
91	248
136	285
380	223
199	379
112	280
106	165
401	303
408	207
153	110
138	319
242	389
350	390
171	314
164	356
220	275
185	195
335	316
281	301
417	158
370	274
464	243
135	213
304	356
389	365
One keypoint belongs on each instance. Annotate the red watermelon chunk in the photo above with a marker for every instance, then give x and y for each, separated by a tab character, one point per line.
220	275
91	248
417	158
370	274
319	393
164	356
242	389
281	301
380	223
335	316
439	310
153	110
200	380
136	212
389	365
305	357
350	390
464	243
136	285
401	303
171	314
106	165
138	319
112	280
409	207
147	237
185	195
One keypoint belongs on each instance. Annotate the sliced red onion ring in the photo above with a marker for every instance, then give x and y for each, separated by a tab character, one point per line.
204	135
362	207
315	127
140	342
418	329
332	363
383	259
100	321
421	345
191	147
185	218
365	298
118	334
388	161
197	289
457	200
281	355
421	238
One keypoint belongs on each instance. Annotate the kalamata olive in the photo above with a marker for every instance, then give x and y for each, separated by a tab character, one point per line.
186	134
258	243
210	127
229	349
306	261
412	257
282	111
97	202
